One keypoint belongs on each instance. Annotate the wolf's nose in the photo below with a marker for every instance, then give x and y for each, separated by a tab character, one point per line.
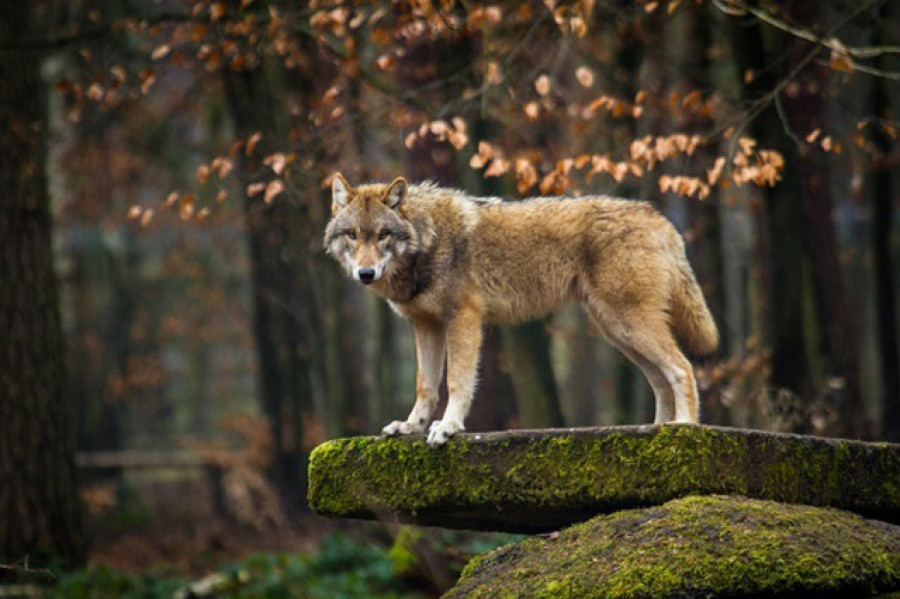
366	275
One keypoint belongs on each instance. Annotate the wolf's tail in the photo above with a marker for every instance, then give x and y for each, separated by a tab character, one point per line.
692	322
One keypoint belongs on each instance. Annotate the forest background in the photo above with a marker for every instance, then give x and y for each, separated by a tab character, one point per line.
182	150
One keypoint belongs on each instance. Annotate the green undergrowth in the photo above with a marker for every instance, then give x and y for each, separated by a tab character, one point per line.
711	546
340	567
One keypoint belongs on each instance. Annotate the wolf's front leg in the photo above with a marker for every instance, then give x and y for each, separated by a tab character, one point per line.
463	344
431	344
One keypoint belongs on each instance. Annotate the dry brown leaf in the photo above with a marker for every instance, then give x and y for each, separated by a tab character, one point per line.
251	143
216	11
222	166
840	58
458	138
160	52
713	174
254	189
385	62
95	92
147	84
585	76
498	167
665	183
276	162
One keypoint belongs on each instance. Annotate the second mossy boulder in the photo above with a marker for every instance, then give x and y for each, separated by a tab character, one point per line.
711	546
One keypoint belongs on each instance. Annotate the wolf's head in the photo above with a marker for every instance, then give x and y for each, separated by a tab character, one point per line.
368	230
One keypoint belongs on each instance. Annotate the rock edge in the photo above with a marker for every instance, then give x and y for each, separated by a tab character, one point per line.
538	481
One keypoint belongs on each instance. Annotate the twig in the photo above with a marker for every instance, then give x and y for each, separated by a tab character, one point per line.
761	103
740	8
785	121
891	75
25	569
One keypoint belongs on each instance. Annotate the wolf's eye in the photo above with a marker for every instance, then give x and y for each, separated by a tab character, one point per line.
384	235
351	235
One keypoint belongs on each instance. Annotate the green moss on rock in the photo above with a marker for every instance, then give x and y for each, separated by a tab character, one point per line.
532	481
713	546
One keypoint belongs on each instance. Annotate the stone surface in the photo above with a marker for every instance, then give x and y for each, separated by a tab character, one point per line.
712	546
537	481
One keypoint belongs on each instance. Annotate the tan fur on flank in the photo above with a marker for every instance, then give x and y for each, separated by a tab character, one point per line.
450	263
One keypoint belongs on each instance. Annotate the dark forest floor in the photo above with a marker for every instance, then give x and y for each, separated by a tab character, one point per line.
169	525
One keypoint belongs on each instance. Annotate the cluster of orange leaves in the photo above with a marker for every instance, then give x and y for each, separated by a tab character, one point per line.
762	167
455	133
748	165
221	166
571	17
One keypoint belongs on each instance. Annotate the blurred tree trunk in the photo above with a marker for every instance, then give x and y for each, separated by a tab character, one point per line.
528	349
98	421
783	220
883	223
39	508
279	289
800	226
806	111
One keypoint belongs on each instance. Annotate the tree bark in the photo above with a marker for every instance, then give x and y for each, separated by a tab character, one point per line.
528	349
885	288
278	293
39	508
806	111
783	224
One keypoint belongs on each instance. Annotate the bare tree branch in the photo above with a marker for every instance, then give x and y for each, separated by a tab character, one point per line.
739	8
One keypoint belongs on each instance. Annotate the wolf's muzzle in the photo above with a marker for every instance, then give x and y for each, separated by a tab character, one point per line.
366	275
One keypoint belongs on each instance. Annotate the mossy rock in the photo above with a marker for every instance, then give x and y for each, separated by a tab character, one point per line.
713	546
537	481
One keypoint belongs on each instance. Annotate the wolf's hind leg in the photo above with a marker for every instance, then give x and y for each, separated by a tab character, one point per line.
645	338
463	347
431	345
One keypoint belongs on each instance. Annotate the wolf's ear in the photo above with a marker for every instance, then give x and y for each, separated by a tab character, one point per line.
395	196
340	192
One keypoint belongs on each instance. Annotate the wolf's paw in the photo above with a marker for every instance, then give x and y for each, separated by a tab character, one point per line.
402	427
441	431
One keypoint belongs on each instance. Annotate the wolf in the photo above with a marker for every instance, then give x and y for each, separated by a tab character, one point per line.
451	263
